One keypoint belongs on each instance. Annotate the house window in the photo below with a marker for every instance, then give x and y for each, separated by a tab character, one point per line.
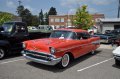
52	20
69	20
62	19
57	20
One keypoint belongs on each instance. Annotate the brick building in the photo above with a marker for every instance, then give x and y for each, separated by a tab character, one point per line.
60	20
66	20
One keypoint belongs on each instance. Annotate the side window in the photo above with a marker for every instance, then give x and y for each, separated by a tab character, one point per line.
73	36
83	35
86	35
20	28
79	36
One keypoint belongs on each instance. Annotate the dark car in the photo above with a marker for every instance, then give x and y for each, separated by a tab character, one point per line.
117	40
105	38
107	31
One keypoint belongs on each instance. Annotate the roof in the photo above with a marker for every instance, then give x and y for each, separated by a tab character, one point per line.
110	20
98	16
73	30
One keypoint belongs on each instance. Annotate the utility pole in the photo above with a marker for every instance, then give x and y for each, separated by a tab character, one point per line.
19	2
119	9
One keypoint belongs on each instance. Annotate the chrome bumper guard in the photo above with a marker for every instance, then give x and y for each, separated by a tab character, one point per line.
117	57
42	58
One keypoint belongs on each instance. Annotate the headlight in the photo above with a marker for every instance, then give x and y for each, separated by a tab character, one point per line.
52	50
23	45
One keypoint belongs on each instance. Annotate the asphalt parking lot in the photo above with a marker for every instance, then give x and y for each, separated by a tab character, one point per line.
98	66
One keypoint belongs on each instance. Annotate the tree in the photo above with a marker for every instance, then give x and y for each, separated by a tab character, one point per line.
25	14
27	17
41	18
20	10
82	19
35	20
52	11
46	21
4	16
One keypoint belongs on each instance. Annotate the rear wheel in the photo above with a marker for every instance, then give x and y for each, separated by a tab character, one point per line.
92	52
64	61
2	53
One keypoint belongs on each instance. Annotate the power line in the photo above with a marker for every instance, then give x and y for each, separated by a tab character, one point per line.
119	9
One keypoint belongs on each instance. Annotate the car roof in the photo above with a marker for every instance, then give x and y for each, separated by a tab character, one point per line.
73	30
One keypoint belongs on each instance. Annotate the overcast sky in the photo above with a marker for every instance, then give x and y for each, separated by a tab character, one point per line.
107	7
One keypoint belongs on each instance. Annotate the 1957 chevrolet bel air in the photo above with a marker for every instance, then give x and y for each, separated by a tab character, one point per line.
60	47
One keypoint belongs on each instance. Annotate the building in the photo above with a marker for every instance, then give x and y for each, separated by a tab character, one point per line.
108	24
97	16
60	20
16	18
67	20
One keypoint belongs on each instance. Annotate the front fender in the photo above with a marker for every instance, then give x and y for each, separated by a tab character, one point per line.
4	44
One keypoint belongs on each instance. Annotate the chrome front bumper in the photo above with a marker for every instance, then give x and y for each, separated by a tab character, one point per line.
104	41
117	57
42	58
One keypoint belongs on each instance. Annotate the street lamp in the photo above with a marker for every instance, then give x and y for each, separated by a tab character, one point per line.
119	9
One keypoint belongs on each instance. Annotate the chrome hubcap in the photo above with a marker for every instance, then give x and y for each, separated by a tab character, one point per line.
65	60
92	52
1	53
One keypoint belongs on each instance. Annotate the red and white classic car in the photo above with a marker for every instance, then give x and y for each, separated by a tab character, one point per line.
60	47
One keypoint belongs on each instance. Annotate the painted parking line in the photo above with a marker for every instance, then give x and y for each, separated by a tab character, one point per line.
11	61
94	65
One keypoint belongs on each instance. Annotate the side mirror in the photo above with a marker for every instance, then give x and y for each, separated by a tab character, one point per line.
1	28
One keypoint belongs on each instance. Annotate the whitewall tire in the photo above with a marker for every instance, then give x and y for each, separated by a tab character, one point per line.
64	61
2	53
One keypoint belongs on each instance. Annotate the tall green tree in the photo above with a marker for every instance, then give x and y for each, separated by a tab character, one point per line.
82	19
20	10
52	11
25	14
4	16
41	17
46	21
35	20
27	17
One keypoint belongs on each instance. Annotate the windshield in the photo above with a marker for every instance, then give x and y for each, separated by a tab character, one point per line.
63	34
8	27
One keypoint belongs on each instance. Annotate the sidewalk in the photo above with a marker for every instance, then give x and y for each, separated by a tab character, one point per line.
104	46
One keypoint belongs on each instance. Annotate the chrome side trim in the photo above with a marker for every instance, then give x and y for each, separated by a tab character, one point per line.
95	42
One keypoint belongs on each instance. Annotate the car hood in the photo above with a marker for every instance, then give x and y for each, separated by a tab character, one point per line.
43	45
117	51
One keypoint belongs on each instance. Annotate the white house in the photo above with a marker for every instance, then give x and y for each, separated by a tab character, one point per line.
108	24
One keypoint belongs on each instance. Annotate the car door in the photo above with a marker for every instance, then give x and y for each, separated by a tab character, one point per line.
83	44
20	34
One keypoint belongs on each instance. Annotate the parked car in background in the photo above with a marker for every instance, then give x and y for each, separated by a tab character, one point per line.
116	54
117	40
105	38
33	28
116	31
45	28
62	46
107	31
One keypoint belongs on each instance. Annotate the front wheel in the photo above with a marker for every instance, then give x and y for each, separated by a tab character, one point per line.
64	61
2	53
117	62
